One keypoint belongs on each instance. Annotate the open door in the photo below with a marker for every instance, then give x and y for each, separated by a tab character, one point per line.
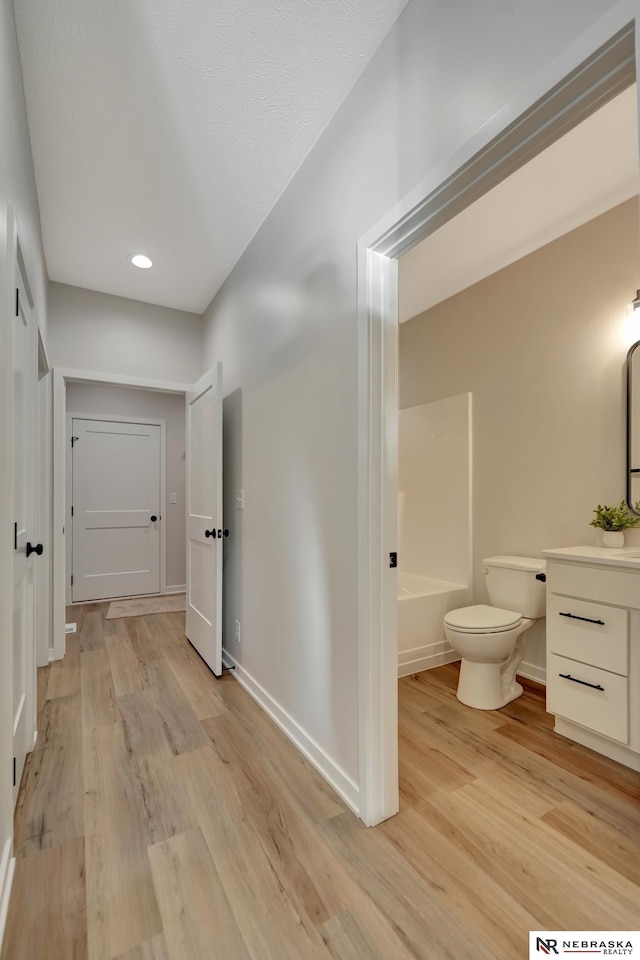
204	517
25	552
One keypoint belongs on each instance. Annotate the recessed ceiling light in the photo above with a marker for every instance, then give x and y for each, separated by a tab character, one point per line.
140	260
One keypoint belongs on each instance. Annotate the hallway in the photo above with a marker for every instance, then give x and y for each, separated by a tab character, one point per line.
163	816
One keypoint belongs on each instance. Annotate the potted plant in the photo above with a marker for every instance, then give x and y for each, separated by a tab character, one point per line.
613	521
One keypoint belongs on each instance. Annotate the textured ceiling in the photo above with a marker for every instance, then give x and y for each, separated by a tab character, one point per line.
171	127
591	169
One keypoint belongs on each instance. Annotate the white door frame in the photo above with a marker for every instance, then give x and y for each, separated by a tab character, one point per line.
600	64
148	421
62	376
43	571
7	295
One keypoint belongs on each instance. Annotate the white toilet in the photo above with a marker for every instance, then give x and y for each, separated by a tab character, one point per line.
489	639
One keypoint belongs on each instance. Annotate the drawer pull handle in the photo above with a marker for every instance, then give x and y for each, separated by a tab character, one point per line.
567	676
573	616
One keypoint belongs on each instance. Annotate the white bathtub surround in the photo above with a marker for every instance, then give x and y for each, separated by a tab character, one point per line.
434	475
422	605
434	527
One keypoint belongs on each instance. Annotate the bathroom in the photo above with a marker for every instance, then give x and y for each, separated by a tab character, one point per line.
512	386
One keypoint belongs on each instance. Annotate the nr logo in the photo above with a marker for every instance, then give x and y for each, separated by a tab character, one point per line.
546	946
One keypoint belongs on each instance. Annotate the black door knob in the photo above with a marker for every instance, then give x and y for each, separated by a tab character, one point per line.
38	549
223	533
210	533
153	518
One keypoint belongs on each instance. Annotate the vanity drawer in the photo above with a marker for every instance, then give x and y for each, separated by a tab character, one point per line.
605	710
590	632
611	585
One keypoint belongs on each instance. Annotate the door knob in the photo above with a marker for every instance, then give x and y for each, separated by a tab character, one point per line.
210	533
223	533
38	549
153	518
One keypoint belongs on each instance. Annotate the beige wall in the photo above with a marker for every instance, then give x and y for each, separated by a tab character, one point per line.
541	345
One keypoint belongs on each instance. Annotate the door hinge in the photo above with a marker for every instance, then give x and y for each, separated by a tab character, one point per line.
393	559
17	310
14	771
15	536
71	511
73	440
71	579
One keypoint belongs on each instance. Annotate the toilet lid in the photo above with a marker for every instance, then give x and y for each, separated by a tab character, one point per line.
482	619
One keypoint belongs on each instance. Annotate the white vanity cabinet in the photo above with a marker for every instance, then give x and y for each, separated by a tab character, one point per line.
593	648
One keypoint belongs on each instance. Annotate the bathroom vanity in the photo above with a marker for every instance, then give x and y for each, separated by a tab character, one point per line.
593	648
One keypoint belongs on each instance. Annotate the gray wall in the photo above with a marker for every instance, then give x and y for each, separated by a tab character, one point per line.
96	331
105	400
284	324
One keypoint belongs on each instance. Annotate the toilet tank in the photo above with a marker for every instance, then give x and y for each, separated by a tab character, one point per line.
512	585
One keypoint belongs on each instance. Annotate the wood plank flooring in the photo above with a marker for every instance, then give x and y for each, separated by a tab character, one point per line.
163	816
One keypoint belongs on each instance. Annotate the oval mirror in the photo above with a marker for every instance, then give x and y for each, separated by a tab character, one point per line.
633	427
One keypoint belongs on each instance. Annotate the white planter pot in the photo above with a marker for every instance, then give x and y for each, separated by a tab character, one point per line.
613	538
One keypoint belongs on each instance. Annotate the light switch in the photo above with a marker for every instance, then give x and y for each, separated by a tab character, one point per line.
173	498
239	499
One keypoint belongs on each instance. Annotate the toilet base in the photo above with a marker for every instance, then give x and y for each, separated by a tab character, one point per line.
481	686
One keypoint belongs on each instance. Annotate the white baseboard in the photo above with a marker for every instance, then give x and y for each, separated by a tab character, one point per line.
7	866
533	672
341	783
180	588
435	654
425	658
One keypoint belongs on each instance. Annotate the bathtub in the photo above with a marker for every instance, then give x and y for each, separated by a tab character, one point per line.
422	604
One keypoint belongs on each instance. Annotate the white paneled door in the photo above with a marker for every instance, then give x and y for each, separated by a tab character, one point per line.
205	531
116	509
26	552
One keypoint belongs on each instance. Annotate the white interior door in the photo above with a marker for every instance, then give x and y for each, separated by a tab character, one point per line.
115	509
204	517
24	438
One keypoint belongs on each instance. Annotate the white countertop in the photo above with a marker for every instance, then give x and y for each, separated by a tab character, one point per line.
609	556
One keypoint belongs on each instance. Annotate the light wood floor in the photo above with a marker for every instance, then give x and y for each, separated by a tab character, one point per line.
162	816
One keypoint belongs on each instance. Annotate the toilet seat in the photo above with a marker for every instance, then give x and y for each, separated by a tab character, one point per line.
482	618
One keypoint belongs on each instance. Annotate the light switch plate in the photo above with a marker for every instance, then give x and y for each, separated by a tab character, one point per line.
239	499
173	498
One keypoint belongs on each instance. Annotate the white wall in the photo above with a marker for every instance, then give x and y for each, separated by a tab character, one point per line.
542	346
105	400
98	332
284	324
434	484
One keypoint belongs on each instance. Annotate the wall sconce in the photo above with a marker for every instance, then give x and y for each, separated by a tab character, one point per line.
632	323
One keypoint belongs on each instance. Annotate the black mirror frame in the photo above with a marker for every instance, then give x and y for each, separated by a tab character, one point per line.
630	469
